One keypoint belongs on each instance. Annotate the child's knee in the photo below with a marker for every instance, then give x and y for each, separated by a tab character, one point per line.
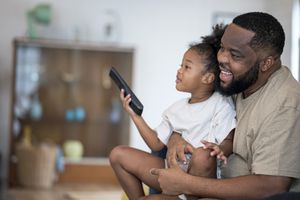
116	154
202	156
202	162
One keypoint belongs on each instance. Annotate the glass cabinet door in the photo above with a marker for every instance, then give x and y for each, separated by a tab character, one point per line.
62	92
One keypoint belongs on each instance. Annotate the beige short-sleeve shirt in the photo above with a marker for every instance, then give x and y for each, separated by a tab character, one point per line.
267	135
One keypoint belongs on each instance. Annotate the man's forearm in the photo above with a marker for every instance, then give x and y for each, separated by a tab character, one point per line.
227	144
245	187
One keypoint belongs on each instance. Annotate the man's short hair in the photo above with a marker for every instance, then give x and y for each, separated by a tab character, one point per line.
269	34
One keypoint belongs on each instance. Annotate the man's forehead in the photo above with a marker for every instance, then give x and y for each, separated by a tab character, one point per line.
237	36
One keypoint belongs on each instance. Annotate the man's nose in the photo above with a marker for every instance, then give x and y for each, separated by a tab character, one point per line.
223	57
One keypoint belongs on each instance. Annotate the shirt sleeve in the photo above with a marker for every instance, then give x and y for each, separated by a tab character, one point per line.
164	129
276	150
223	121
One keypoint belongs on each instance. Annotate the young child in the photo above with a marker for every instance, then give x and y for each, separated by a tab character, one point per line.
206	115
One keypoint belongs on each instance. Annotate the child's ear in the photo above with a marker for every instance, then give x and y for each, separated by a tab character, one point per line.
208	78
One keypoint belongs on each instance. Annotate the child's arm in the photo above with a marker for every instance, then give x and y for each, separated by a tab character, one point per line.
223	150
148	134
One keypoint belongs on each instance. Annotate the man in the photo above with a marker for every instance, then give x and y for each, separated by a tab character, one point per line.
266	158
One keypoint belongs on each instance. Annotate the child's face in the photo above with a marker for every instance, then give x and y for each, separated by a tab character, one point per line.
189	75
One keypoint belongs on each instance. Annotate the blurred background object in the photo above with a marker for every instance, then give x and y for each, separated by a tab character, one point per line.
39	15
73	149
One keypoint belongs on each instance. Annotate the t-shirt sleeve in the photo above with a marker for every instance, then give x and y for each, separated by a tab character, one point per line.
164	129
276	151
223	121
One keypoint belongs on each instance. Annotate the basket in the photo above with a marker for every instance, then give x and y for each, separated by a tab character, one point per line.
36	165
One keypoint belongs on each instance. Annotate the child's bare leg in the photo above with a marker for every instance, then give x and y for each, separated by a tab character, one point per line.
203	164
132	167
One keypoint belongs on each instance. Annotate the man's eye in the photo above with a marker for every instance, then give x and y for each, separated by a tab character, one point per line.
235	56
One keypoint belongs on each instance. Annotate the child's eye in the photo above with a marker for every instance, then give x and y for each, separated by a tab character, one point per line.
184	66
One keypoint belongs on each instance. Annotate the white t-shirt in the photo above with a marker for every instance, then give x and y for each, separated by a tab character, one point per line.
211	120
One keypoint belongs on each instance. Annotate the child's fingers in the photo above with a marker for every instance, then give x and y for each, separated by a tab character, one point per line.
127	97
215	151
122	94
220	154
207	145
127	100
223	158
204	142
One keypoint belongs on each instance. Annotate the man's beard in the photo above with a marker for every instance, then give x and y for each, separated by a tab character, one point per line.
241	84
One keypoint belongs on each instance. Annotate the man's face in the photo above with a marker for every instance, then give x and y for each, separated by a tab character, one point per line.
239	64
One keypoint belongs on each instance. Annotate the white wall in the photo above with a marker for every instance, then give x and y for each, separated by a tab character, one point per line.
285	18
159	30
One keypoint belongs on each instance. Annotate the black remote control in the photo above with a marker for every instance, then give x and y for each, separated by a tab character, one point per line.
135	104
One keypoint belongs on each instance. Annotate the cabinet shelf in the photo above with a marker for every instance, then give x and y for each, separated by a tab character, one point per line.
72	45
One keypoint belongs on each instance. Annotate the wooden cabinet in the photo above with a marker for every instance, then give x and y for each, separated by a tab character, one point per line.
62	91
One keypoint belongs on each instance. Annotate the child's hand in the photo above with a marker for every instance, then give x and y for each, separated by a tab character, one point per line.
125	102
215	150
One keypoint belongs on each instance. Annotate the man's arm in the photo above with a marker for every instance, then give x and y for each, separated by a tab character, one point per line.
227	144
244	187
174	181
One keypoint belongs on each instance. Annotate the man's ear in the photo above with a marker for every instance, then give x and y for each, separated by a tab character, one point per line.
267	63
208	78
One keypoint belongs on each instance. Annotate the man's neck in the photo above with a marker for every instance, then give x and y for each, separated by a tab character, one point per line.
261	81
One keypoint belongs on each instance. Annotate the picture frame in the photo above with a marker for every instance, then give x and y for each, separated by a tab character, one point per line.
223	17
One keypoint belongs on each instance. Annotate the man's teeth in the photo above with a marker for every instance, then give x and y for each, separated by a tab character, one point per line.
227	73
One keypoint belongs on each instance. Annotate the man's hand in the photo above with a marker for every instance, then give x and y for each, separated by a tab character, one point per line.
171	179
177	147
